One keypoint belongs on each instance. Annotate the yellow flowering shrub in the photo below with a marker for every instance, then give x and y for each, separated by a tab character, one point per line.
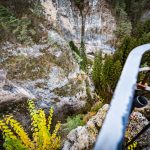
15	137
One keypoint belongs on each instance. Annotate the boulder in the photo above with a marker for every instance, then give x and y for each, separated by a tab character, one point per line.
145	110
84	137
10	92
137	122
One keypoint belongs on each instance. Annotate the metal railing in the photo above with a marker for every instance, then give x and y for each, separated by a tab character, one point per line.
112	133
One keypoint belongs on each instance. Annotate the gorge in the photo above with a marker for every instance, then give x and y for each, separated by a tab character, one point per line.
38	62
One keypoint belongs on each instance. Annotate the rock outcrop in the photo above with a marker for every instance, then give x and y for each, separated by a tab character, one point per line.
137	122
49	72
85	137
10	92
100	24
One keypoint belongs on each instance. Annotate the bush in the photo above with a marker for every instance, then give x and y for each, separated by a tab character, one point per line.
123	29
105	75
83	63
16	138
115	74
80	55
37	10
23	31
74	122
7	22
19	21
19	28
74	47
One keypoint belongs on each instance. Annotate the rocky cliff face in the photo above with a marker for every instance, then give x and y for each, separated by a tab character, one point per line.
99	22
49	70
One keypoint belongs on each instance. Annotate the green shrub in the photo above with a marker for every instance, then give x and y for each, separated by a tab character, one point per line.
88	92
80	55
8	22
20	22
23	31
74	47
74	122
105	75
37	10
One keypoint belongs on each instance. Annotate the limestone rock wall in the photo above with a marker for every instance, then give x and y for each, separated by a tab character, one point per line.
100	24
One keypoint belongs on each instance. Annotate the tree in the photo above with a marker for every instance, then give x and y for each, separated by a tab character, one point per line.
97	71
125	48
115	73
107	71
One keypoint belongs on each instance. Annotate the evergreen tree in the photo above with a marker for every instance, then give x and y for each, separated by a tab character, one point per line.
97	71
125	48
107	71
115	73
84	57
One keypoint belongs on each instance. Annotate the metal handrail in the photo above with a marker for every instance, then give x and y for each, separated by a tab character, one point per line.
113	129
144	69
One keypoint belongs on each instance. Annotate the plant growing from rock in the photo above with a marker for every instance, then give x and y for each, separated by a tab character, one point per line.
74	47
74	122
18	22
15	137
80	55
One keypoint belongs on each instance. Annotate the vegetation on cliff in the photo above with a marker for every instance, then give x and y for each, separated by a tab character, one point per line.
19	21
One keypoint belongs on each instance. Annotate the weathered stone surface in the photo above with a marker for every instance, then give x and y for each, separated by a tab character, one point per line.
60	84
13	93
10	92
3	74
49	70
145	110
136	124
67	93
84	137
65	18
